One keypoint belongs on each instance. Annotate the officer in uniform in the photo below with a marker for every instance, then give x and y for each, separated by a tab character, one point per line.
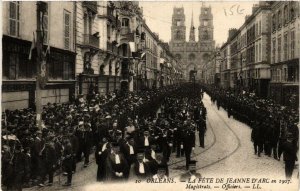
188	141
112	133
290	147
202	130
257	137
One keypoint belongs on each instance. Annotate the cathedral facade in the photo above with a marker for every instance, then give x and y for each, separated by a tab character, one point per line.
193	54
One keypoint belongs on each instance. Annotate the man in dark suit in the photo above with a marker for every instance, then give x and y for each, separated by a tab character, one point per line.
50	159
129	150
159	161
192	174
188	141
140	169
116	164
102	150
68	161
146	140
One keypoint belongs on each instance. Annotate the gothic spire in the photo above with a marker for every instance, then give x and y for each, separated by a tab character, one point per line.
192	30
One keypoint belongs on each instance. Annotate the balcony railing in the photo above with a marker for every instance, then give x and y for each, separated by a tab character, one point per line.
92	5
90	40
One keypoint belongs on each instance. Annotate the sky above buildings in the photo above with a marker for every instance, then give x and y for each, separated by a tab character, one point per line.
158	15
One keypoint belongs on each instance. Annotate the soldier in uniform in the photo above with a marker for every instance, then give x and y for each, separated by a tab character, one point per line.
192	174
257	137
290	147
188	141
202	130
112	133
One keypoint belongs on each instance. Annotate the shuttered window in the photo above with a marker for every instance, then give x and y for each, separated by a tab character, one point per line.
67	27
14	18
46	24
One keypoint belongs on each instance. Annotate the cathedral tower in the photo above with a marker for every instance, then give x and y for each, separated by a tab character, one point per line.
178	28
206	29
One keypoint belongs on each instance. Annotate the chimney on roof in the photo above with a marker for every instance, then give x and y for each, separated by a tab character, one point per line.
231	32
254	8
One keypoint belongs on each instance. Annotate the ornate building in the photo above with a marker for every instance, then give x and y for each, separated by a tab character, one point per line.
193	54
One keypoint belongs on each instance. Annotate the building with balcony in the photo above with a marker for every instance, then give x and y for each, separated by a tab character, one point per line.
19	66
285	53
87	47
109	57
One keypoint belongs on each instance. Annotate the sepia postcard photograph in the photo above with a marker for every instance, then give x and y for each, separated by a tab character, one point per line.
150	95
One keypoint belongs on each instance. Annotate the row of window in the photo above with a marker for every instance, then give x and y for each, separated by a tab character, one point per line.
288	51
15	28
286	74
289	15
16	65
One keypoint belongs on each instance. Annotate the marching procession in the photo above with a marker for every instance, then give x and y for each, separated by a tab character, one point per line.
132	137
130	140
274	127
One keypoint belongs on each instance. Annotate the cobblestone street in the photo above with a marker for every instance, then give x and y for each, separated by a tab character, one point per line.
228	153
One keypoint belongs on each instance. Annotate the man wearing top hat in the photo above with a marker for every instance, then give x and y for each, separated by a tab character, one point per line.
192	174
116	164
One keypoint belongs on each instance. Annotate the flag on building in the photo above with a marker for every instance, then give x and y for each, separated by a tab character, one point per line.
33	46
143	54
132	46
